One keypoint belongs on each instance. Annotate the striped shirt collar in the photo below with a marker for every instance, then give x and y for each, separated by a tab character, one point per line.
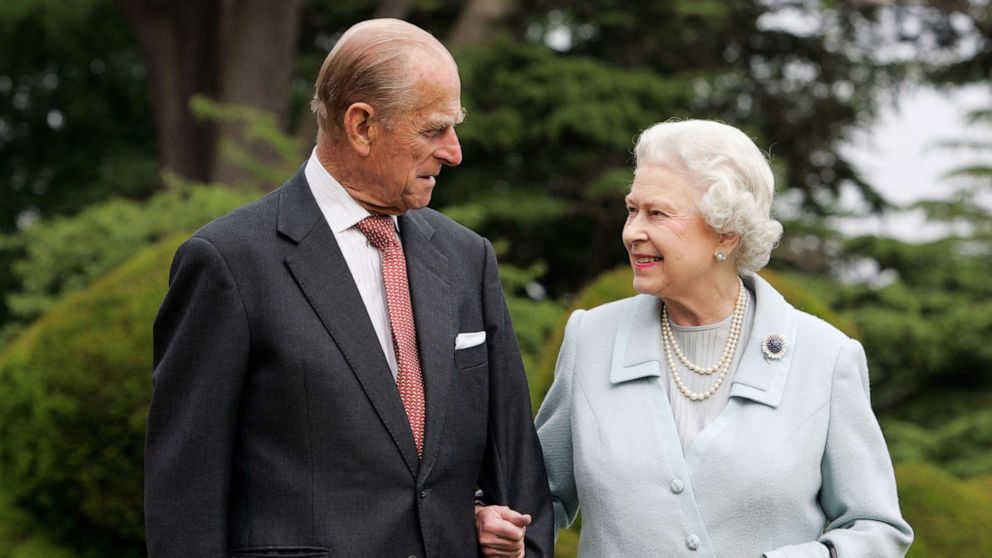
340	210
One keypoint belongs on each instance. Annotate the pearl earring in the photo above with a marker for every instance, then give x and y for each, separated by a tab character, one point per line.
719	256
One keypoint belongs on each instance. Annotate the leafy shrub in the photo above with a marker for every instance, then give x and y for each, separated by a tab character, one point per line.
962	445
56	257
76	387
66	254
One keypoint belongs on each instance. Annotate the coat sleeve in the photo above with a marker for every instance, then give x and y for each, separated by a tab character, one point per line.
554	428
513	467
858	495
201	345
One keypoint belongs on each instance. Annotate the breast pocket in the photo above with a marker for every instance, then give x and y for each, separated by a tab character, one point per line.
472	357
281	552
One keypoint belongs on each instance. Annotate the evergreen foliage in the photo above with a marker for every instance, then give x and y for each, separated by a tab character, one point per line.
960	445
926	331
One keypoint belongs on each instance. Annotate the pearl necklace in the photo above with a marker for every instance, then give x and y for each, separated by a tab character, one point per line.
722	366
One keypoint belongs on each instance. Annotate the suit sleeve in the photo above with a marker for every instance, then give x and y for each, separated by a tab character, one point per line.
513	467
201	345
858	495
554	428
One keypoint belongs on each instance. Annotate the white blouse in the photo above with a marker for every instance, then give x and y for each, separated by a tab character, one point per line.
703	345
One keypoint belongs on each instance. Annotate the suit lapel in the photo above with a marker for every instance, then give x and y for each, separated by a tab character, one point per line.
430	294
323	275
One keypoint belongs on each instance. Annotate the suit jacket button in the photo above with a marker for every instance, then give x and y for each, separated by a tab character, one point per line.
677	486
423	494
692	541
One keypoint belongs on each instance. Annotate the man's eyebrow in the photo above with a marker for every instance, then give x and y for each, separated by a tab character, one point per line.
444	121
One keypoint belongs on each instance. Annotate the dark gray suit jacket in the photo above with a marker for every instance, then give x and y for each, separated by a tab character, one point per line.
276	428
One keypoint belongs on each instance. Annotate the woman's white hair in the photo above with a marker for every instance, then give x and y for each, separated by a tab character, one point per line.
733	178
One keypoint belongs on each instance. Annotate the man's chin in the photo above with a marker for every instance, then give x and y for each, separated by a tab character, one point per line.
418	202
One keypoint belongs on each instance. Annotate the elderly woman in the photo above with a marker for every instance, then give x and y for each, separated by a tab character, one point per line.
706	416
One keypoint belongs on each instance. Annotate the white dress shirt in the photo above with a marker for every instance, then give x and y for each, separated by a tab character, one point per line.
342	213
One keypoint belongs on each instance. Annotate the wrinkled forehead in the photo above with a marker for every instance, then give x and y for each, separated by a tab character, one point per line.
656	183
438	94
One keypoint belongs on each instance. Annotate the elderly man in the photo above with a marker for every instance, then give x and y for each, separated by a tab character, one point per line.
336	373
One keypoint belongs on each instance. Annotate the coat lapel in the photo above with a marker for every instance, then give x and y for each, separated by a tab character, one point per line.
325	279
637	347
637	352
430	294
758	378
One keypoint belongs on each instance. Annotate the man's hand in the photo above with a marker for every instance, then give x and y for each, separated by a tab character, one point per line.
501	531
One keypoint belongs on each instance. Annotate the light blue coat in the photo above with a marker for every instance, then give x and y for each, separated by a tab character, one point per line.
794	460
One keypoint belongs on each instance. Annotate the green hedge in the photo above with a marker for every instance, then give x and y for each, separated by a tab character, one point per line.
951	517
77	385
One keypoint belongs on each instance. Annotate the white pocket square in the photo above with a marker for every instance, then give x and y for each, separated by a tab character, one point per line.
466	340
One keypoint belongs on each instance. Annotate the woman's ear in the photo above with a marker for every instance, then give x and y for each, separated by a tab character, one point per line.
358	127
728	242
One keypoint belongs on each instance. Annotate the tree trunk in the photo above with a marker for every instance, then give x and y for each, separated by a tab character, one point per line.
394	8
177	40
233	51
477	20
257	51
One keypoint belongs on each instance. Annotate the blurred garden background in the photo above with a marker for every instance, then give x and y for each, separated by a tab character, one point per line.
127	124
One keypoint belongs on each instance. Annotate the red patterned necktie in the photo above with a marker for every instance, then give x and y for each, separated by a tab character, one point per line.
381	232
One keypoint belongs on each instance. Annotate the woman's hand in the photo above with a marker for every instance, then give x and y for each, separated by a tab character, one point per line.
501	531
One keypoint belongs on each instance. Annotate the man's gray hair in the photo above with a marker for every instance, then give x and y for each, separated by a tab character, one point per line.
370	63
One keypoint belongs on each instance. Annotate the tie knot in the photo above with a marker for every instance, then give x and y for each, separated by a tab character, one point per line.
380	231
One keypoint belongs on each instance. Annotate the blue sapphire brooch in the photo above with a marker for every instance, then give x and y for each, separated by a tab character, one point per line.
773	346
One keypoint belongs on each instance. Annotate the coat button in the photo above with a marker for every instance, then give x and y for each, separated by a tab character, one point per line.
423	494
677	486
692	541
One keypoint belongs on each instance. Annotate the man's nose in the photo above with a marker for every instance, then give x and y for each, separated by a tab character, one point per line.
450	152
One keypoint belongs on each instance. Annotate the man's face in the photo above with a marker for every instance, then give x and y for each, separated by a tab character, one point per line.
409	149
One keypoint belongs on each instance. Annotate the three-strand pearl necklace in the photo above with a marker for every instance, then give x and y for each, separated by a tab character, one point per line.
722	366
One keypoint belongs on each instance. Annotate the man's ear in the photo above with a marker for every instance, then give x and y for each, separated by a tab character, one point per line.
358	127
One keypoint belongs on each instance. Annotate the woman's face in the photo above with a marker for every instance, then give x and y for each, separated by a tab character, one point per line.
670	246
